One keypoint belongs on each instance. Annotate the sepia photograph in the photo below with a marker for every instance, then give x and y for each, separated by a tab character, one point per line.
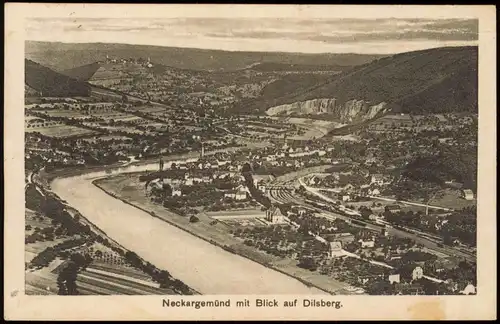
196	155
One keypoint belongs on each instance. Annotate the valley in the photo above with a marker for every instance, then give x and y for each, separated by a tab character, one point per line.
323	174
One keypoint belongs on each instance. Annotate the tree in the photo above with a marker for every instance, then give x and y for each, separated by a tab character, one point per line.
307	263
380	287
66	281
164	279
167	190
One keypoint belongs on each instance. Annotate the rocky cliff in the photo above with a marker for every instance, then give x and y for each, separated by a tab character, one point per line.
350	111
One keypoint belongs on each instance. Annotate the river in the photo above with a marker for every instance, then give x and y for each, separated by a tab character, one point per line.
201	265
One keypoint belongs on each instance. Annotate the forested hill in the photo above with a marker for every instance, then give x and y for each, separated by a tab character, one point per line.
428	81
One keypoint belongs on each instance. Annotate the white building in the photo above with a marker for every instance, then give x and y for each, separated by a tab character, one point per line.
237	194
395	278
469	290
467	194
335	249
367	244
377	179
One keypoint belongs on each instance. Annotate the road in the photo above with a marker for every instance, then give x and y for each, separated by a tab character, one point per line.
410	203
390	199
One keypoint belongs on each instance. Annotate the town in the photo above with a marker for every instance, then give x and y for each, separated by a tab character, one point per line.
384	209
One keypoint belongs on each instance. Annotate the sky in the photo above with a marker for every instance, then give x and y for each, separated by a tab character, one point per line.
332	35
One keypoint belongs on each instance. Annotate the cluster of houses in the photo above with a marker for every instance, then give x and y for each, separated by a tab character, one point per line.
53	156
295	156
213	168
209	170
345	189
404	280
146	63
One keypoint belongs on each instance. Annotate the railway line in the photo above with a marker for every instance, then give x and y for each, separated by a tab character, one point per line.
285	196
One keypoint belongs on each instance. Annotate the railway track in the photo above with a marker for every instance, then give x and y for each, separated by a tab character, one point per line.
284	196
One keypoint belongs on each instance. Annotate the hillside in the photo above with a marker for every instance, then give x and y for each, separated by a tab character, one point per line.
66	56
82	73
286	67
453	164
51	83
428	81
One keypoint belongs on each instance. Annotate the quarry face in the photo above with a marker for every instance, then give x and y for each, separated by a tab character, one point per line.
351	110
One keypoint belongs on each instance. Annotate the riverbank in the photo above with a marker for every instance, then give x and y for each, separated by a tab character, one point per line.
108	241
129	190
44	177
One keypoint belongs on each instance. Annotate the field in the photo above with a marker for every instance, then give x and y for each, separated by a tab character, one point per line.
452	199
65	113
150	109
41	282
243	217
81	114
349	137
241	221
60	131
35	219
129	118
310	133
27	119
154	125
404	121
33	249
118	138
326	124
102	279
34	223
313	128
97	279
127	129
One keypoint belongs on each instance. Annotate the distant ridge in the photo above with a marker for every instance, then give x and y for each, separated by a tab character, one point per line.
66	56
283	67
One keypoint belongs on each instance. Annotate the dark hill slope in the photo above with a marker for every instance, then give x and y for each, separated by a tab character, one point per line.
435	80
82	73
51	83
